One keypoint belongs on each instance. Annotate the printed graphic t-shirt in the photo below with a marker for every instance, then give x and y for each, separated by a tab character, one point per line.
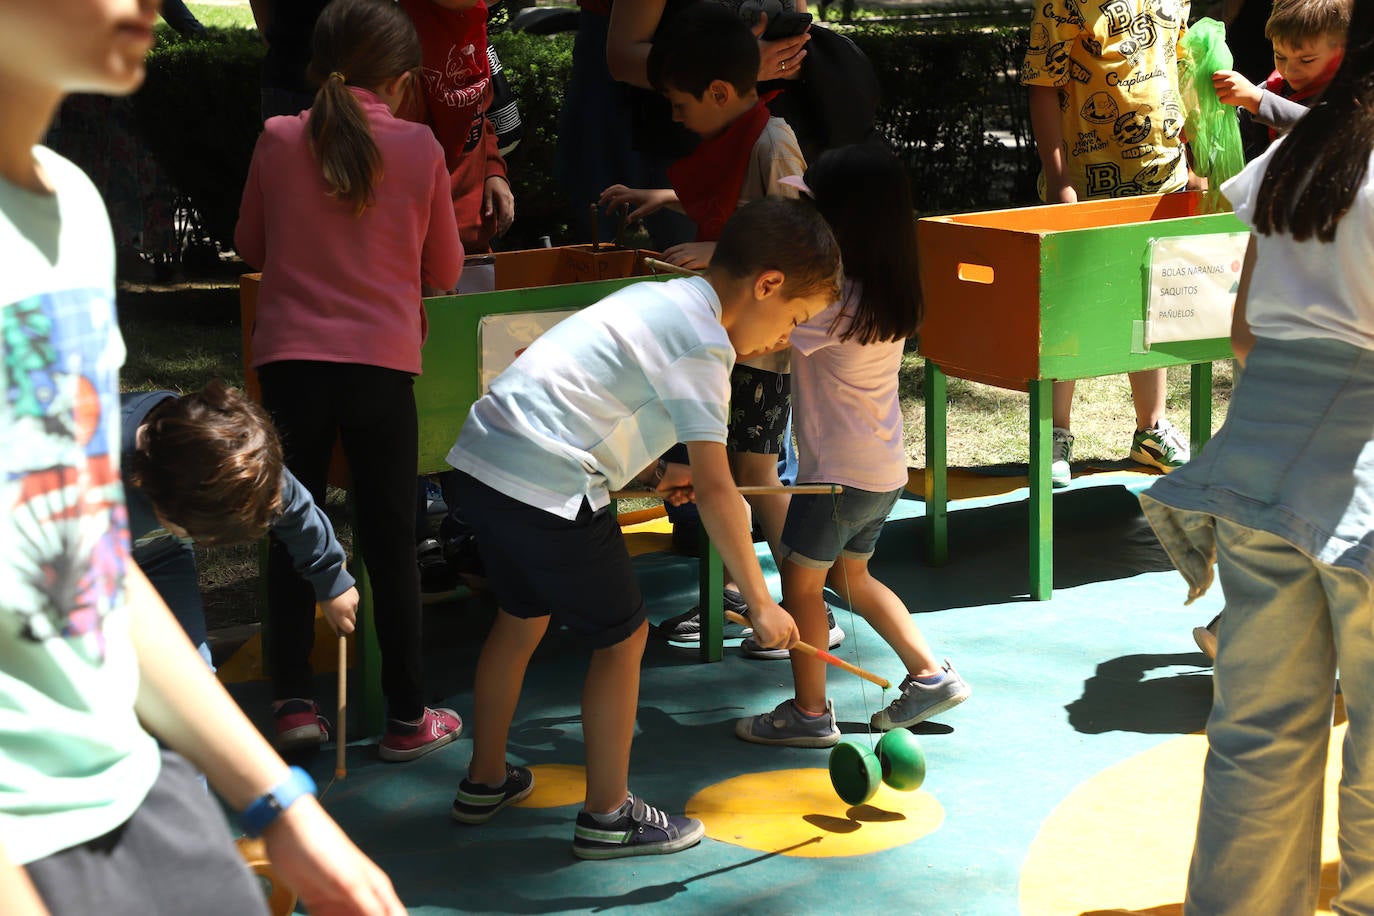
1115	65
74	761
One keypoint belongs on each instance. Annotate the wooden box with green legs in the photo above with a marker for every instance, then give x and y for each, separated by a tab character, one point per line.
1020	299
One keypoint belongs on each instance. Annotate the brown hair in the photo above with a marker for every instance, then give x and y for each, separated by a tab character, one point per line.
777	233
1294	22
211	462
363	43
1320	166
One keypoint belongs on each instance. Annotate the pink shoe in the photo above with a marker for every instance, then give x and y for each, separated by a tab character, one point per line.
299	725
409	741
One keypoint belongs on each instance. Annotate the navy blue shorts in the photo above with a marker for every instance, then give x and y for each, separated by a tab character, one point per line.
541	564
820	528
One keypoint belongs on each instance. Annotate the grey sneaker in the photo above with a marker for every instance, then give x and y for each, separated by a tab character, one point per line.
1061	453
750	647
639	830
788	727
1206	637
919	702
1161	446
686	627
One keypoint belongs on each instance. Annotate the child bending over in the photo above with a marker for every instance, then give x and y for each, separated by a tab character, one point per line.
590	406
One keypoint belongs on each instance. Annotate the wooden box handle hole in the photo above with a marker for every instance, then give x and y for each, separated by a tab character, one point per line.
975	273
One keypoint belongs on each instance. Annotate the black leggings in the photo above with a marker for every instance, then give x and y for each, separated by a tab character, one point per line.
372	410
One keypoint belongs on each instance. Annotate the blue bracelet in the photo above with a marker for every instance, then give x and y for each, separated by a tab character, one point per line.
258	816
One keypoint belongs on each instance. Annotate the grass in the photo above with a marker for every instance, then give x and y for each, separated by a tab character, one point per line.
181	335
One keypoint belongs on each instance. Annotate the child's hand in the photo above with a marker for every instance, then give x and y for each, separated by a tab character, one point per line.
692	255
342	611
1234	89
498	205
774	628
640	201
675	487
780	59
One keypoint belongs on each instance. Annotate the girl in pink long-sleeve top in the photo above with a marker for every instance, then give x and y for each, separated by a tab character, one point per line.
347	212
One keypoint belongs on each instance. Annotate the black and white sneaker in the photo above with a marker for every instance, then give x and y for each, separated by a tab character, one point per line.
638	829
477	804
750	648
686	627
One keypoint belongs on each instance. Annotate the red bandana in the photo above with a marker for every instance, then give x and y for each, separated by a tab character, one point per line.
708	180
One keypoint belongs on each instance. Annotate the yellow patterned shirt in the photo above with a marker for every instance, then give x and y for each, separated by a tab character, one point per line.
1115	65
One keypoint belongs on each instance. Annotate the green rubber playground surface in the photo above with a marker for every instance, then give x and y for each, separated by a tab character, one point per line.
1067	784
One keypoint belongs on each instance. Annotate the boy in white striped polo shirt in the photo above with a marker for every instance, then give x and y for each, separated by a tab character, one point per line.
585	410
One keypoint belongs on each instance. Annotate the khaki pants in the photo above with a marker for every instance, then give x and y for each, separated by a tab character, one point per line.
1290	623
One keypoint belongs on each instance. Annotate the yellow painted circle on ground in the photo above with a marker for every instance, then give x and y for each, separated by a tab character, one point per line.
1120	843
556	785
797	813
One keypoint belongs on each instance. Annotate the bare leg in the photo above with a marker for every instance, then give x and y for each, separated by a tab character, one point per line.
804	598
754	470
500	675
610	699
1061	408
1149	391
886	613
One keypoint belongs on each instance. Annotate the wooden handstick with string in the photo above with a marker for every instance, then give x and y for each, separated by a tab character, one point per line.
341	726
808	649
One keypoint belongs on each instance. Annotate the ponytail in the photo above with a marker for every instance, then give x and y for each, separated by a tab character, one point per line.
363	43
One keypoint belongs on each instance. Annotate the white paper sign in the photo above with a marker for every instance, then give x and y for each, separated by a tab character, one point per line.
1192	282
504	337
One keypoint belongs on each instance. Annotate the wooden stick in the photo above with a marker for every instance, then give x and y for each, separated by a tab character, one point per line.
655	264
596	227
819	489
341	723
808	649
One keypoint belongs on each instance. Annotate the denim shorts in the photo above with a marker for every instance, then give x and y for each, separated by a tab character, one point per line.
760	405
540	565
822	528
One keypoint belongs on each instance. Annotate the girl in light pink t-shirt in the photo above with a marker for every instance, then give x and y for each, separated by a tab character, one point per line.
848	420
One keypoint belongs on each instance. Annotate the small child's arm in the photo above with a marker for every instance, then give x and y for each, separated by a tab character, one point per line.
316	553
1234	89
641	201
1048	130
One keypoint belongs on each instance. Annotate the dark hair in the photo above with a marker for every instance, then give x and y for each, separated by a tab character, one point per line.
1320	166
863	193
1296	21
211	462
703	43
776	233
362	43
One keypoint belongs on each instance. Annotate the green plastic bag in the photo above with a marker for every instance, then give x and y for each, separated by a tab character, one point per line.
1213	129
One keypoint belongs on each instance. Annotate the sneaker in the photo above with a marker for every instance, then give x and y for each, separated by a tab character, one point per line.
1206	637
686	627
1161	446
919	702
299	725
436	575
477	804
786	726
412	740
638	830
1061	453
750	648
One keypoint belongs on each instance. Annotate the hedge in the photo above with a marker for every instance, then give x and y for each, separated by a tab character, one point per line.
950	105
